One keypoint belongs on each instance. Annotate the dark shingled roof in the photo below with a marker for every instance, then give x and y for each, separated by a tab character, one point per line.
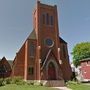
32	35
62	41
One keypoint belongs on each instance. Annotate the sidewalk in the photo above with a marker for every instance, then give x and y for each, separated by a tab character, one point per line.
63	88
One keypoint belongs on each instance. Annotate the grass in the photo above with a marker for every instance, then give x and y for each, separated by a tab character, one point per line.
78	86
70	84
24	87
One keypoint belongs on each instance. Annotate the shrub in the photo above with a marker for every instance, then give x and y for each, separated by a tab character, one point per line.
18	81
41	84
30	83
15	80
21	83
2	83
8	80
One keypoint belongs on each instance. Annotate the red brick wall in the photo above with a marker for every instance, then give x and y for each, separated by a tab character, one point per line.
18	63
23	61
66	69
85	69
31	61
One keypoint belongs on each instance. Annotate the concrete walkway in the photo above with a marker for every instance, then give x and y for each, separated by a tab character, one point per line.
63	88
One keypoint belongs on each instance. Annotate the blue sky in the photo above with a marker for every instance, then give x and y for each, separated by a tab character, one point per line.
16	23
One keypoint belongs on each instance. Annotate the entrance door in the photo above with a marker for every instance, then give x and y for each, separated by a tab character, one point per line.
51	71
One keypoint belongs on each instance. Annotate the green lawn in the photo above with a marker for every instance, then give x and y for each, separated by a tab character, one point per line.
72	85
24	87
81	86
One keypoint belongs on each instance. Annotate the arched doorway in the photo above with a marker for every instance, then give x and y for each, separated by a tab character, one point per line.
51	71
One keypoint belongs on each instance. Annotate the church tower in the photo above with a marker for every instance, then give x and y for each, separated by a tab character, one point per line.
47	34
46	28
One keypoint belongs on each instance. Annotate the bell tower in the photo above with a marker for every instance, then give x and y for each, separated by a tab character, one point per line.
46	27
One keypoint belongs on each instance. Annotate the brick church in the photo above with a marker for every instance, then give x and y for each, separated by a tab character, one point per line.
44	54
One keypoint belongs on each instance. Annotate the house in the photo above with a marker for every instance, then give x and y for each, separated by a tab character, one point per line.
44	54
85	69
5	68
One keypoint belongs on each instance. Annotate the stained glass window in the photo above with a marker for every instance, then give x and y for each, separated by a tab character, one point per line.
49	42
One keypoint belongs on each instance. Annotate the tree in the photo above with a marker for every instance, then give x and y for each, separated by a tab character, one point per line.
80	51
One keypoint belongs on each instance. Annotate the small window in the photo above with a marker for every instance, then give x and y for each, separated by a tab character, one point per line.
43	18
47	19
31	70
51	20
32	50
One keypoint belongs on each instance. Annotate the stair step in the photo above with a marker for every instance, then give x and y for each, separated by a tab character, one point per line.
55	83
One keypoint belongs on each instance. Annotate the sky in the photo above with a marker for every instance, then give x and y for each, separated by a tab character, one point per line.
16	23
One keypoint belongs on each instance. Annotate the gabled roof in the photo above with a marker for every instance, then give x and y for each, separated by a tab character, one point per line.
46	58
62	41
32	35
5	61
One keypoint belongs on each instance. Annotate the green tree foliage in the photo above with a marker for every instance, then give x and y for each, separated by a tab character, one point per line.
81	51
